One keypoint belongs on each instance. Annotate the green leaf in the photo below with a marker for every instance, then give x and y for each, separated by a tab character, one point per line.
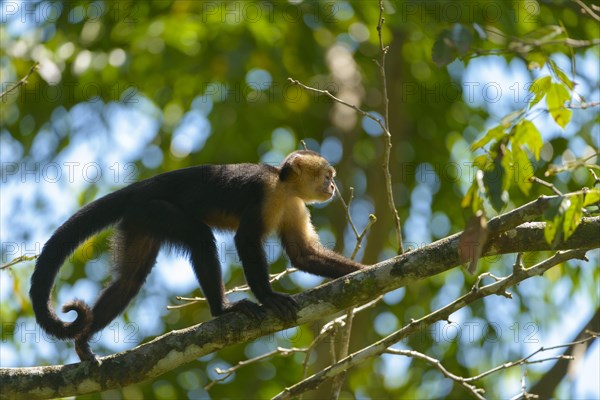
462	38
493	179
536	59
591	197
562	116
522	170
508	167
525	133
546	32
573	215
482	161
556	97
510	118
561	75
563	216
539	88
492	134
451	44
553	208
550	232
442	52
472	198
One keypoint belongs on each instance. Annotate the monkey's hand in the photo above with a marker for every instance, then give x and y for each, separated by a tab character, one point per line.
283	305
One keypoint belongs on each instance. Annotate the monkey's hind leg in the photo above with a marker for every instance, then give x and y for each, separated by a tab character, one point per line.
135	253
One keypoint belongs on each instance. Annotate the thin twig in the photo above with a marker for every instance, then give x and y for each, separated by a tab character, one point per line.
347	208
387	134
237	289
23	80
527	359
586	10
230	371
347	328
472	389
18	260
547	184
337	99
596	179
583	105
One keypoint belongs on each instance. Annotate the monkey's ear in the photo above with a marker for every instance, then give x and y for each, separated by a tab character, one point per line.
292	165
296	161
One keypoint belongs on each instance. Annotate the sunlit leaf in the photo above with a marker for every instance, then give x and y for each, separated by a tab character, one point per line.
525	133
539	88
573	215
509	119
550	232
561	75
562	116
482	161
522	170
591	197
508	167
492	134
556	97
555	216
536	59
473	198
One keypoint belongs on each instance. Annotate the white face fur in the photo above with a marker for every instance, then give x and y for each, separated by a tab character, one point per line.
314	177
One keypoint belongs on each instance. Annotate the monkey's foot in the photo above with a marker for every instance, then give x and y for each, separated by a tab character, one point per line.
283	305
246	307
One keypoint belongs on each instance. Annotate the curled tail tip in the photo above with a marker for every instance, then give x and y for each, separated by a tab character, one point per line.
76	305
50	322
83	320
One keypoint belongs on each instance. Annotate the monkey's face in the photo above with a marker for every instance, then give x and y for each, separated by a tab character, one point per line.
312	177
318	185
327	187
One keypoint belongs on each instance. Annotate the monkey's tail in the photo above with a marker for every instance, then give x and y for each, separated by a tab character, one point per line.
91	219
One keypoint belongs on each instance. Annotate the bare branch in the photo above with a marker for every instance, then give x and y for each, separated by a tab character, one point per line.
473	390
387	134
21	82
279	351
18	260
528	360
237	289
587	10
441	314
547	184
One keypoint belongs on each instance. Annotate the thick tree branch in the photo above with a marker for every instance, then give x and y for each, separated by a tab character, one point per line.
175	348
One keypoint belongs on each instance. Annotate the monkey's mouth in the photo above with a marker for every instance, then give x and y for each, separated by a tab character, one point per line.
329	193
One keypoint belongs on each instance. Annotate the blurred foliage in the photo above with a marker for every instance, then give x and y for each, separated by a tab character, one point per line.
206	82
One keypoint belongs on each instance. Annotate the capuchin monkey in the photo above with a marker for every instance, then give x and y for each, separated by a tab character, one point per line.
180	209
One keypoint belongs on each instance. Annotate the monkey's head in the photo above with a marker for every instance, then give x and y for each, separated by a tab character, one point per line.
308	175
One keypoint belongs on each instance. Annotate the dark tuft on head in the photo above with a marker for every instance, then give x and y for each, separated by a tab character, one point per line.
286	168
